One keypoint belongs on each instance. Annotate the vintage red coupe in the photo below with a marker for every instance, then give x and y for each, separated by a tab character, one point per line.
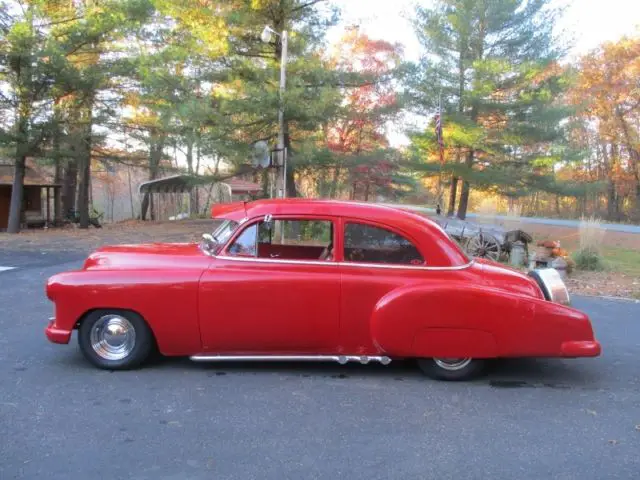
314	280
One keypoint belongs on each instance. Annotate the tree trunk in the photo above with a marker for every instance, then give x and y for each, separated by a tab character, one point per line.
69	186
464	193
85	171
190	171
155	155
15	209
453	193
634	157
22	146
478	53
291	178
612	196
133	212
17	189
57	179
453	189
58	170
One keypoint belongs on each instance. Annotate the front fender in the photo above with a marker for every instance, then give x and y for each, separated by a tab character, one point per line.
168	302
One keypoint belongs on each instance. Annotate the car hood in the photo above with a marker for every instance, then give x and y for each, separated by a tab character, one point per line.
147	256
507	278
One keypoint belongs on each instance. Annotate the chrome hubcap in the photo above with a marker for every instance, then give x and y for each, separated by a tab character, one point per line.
452	364
113	337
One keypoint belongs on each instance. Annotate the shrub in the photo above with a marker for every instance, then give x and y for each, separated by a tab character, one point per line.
589	255
588	260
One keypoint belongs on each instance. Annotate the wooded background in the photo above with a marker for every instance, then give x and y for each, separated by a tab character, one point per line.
96	87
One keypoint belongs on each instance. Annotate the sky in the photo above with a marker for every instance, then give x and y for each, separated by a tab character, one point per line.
585	24
589	22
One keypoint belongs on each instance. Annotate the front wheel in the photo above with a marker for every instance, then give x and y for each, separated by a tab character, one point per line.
115	339
452	368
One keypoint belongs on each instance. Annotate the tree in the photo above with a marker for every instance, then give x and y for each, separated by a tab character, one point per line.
607	93
356	135
495	65
249	97
52	68
30	59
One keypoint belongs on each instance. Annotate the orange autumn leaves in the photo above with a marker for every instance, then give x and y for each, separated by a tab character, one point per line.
607	95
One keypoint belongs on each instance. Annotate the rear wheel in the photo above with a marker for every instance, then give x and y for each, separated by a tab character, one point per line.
115	339
452	368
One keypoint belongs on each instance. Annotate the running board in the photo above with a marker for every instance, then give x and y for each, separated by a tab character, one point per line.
341	359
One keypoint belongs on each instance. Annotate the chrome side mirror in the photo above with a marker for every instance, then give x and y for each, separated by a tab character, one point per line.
209	241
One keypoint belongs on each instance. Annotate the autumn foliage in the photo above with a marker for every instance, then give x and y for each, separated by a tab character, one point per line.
359	132
607	94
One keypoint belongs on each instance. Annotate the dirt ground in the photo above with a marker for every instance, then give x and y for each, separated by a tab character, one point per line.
132	231
610	282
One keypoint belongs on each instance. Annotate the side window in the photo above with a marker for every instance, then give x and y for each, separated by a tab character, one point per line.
245	245
293	239
368	244
288	239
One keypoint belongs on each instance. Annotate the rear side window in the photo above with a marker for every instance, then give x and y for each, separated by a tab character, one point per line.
368	244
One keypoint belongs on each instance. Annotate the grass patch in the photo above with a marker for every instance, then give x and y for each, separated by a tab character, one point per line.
623	260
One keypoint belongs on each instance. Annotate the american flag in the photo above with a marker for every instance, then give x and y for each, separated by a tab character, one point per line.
439	133
439	130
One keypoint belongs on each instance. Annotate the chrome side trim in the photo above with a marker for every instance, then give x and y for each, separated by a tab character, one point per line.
270	260
343	264
341	359
403	267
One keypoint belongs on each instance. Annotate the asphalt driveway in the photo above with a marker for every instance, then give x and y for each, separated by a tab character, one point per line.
544	419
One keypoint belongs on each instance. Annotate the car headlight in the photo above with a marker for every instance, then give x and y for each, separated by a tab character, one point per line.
552	285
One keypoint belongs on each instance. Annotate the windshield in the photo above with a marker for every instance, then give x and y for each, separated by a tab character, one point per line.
223	230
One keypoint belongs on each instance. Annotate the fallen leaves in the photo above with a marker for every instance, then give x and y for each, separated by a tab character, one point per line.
603	284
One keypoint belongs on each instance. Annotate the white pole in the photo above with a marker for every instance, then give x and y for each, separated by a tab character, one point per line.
283	82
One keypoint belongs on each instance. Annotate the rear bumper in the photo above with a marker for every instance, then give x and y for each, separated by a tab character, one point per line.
57	335
581	349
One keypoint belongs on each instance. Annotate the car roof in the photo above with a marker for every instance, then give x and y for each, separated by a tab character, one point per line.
293	206
416	226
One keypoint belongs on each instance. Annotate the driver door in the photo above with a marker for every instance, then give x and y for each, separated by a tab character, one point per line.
273	289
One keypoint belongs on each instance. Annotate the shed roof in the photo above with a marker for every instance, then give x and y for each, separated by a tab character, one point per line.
184	183
31	177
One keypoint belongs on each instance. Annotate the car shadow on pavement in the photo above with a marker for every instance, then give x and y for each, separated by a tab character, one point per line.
503	373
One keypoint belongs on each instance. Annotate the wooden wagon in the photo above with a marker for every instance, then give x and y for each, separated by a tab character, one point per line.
485	241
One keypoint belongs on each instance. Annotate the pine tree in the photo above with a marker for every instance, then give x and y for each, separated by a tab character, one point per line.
495	65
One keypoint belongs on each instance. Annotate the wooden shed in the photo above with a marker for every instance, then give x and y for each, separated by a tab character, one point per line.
39	198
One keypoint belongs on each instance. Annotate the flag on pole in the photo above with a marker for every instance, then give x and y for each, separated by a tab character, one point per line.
439	138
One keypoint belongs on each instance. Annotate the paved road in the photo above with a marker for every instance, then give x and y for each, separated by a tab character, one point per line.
614	227
551	419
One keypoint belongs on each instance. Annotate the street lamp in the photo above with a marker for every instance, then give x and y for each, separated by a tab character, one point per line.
266	36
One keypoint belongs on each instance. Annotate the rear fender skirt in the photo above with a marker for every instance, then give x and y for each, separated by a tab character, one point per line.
454	343
421	320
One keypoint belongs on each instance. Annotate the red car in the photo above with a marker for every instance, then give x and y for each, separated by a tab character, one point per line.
314	280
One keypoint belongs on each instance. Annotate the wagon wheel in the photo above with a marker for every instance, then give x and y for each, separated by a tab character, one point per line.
484	245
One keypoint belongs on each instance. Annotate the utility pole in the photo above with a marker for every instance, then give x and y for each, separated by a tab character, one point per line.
281	177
